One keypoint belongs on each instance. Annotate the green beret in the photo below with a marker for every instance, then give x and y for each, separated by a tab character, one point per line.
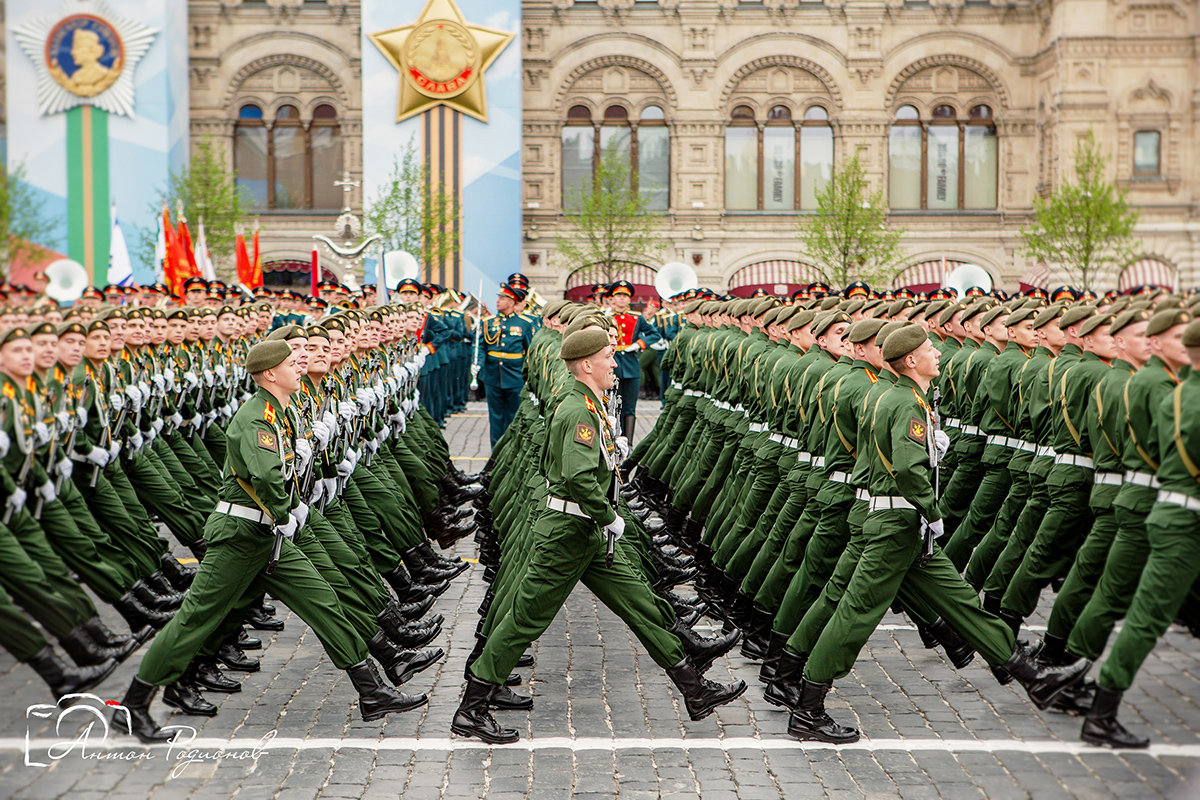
97	325
991	315
829	302
206	311
263	305
863	330
935	307
693	306
1168	318
1074	315
223	310
179	313
827	320
334	323
267	354
1019	316
1048	315
762	307
109	312
887	330
43	328
316	331
975	309
286	333
584	343
71	327
853	306
13	335
581	321
903	341
551	309
1036	303
1092	323
898	306
948	312
1191	334
801	319
1127	318
873	303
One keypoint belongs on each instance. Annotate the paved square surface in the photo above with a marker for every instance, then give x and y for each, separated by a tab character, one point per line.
606	723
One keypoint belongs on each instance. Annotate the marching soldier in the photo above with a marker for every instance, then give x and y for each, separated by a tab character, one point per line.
503	342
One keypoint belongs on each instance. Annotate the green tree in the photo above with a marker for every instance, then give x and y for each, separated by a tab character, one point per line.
612	222
410	215
206	190
1085	226
848	238
24	225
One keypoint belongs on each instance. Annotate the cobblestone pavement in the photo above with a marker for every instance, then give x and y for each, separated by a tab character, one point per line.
607	724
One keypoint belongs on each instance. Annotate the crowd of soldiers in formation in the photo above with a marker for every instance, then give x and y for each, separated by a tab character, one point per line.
113	435
817	462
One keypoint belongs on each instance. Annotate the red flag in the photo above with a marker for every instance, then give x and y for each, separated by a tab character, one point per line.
256	265
244	268
170	258
185	244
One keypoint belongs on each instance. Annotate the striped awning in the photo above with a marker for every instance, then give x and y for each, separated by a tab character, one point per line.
630	271
782	272
1147	272
1037	275
926	275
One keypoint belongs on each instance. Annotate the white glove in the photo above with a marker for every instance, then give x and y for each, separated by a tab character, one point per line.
616	527
330	485
318	490
938	528
16	500
176	419
64	420
353	455
135	395
81	416
114	450
345	468
632	348
234	405
191	380
622	448
419	359
365	399
151	434
157	425
64	468
220	371
137	440
98	456
941	443
304	454
382	436
300	514
347	410
288	528
117	401
322	433
46	492
5	443
371	446
208	377
330	419
144	388
41	434
159	382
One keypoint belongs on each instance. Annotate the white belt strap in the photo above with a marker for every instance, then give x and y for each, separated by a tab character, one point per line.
890	504
776	437
565	506
1074	461
951	422
1046	452
1179	499
1141	479
803	457
837	476
757	427
1108	478
242	512
790	442
862	494
971	430
818	462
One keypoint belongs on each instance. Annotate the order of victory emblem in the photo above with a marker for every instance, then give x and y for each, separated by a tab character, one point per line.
84	55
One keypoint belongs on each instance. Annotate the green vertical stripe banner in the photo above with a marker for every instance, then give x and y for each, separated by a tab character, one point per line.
89	220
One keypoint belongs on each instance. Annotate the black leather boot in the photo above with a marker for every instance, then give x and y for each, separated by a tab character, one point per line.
700	695
64	679
86	653
957	650
1043	684
376	700
991	603
1101	727
198	548
754	646
669	577
476	651
473	718
455	566
233	658
775	645
408	591
400	665
100	633
133	715
260	620
446	533
421	570
1077	699
505	699
456	494
137	615
702	651
929	639
162	587
674	520
1054	651
248	642
413	611
526	660
206	674
784	689
406	636
184	695
810	722
178	574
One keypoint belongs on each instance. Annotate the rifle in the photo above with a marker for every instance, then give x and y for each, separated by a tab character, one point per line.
927	532
62	404
277	546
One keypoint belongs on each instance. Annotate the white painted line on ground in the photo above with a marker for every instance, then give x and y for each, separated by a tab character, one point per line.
442	744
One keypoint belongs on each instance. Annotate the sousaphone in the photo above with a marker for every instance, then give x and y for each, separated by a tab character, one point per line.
675	278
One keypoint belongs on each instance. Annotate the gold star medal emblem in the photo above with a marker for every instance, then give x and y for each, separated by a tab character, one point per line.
441	60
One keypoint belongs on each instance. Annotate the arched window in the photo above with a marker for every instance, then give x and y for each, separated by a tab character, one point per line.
285	163
644	144
945	163
780	164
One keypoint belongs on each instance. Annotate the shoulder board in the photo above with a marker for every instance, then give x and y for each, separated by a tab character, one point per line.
9	391
591	406
269	413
